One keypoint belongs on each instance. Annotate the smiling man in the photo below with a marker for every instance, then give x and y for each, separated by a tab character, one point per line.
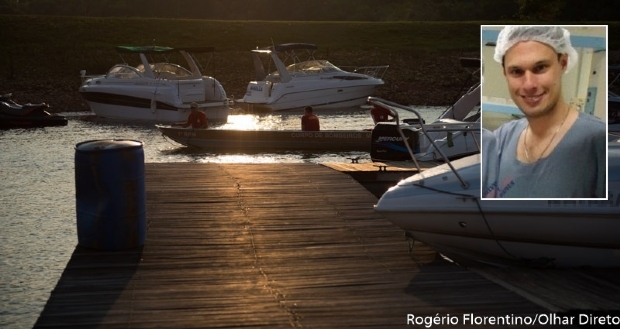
555	151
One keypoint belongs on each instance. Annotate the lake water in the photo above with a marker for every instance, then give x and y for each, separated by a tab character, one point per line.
37	191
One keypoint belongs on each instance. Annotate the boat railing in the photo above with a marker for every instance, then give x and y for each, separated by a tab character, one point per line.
376	72
448	127
85	77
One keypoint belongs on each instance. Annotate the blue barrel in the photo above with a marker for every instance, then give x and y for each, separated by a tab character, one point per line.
110	194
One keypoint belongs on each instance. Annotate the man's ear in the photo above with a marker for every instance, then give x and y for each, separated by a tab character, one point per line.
564	61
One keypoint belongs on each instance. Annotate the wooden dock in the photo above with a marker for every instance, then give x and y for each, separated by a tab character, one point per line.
267	246
377	177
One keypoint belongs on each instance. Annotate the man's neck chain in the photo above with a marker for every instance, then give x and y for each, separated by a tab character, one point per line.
527	155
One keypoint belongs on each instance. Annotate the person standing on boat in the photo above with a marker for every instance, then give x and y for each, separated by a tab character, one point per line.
196	119
309	121
555	151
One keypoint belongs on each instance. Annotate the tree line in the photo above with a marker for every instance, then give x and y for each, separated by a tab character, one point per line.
324	10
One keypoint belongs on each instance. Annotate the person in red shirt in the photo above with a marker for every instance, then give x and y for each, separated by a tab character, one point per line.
381	114
196	119
310	122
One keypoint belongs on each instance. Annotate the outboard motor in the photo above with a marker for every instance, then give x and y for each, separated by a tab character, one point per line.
387	143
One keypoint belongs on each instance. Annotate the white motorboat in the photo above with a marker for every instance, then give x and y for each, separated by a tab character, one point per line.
442	207
157	91
308	82
456	132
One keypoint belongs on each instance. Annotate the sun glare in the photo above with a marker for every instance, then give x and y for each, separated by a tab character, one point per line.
241	122
253	122
248	158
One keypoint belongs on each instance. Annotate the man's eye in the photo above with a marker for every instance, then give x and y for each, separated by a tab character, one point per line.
540	68
515	72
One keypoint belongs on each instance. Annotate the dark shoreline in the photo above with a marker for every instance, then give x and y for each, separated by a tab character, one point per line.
43	56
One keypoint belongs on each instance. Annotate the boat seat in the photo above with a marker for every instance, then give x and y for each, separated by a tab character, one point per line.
166	75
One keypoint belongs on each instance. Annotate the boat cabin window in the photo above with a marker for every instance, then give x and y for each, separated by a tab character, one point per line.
313	67
170	69
167	71
307	67
273	77
473	115
122	71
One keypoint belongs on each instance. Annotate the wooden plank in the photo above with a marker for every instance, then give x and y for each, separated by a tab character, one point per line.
273	246
406	166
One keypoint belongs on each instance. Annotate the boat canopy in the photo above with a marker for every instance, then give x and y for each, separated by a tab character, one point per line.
161	50
144	49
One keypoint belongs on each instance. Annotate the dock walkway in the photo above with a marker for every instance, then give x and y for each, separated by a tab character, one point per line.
266	246
377	177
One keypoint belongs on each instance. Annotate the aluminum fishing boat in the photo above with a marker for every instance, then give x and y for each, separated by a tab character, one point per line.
259	140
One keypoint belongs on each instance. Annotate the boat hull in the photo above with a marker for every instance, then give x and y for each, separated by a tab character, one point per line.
327	96
562	233
388	145
8	121
122	106
217	139
520	253
583	239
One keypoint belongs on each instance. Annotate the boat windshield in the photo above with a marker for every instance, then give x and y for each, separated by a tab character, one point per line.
174	69
122	71
167	70
313	67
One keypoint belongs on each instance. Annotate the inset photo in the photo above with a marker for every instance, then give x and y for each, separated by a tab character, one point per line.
544	112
